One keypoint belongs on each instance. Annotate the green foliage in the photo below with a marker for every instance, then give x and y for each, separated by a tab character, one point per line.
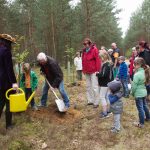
51	25
19	145
19	56
70	53
139	28
128	53
3	10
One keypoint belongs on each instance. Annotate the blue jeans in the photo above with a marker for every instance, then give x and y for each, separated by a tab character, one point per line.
61	90
125	87
143	110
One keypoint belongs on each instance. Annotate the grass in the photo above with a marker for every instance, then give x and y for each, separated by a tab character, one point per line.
78	129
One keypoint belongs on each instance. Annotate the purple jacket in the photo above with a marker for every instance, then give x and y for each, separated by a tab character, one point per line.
7	76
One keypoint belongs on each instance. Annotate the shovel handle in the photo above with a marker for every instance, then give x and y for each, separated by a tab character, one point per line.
12	90
51	88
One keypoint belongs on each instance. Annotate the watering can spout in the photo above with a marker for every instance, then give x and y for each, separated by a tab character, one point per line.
30	98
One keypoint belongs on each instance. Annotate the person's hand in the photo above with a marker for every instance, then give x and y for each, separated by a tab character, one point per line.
114	67
42	73
53	89
15	86
96	73
36	89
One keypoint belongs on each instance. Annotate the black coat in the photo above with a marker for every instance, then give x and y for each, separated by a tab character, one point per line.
7	76
106	75
53	72
146	56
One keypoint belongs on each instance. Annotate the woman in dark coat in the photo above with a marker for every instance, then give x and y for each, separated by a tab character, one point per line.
7	76
144	52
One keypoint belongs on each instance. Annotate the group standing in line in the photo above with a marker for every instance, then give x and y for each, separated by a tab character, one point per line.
107	78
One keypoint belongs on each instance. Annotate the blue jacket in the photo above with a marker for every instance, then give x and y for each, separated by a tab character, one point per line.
7	76
123	71
116	104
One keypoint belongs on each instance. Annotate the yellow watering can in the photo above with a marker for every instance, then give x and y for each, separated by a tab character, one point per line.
18	102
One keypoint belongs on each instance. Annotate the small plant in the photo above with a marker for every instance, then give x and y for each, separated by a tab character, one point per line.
70	54
19	55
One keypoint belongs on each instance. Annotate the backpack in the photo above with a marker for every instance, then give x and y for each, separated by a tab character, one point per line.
147	57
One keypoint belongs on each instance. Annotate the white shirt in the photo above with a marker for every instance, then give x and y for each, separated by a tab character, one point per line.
78	63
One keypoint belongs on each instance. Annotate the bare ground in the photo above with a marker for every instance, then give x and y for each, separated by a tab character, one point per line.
78	129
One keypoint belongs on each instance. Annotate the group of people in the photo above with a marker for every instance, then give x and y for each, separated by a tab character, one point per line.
107	77
29	81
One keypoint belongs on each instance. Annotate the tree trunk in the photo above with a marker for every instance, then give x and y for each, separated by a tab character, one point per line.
87	18
53	35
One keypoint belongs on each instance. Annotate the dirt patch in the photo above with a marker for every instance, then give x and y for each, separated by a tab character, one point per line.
52	114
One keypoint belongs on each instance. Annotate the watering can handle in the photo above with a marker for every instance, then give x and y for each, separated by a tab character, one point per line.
12	90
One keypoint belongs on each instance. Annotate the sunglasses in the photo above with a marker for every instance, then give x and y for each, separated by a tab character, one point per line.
85	44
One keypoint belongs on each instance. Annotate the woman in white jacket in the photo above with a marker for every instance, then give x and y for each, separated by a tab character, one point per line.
78	65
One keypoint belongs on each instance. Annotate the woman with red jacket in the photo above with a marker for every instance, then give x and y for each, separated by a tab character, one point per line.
91	65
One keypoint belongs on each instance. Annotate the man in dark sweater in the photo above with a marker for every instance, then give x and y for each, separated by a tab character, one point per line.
114	56
54	74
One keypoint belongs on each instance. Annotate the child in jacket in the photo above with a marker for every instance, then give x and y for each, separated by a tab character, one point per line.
139	92
29	82
123	75
104	77
116	104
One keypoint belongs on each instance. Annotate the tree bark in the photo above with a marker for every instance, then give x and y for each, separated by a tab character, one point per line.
53	34
87	18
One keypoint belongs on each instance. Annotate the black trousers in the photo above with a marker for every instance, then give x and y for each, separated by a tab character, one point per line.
3	102
79	75
28	92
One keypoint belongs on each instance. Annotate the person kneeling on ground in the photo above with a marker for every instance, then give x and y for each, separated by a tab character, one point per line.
29	83
54	75
116	104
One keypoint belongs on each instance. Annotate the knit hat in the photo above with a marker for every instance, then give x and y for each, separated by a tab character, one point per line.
41	56
114	86
8	37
